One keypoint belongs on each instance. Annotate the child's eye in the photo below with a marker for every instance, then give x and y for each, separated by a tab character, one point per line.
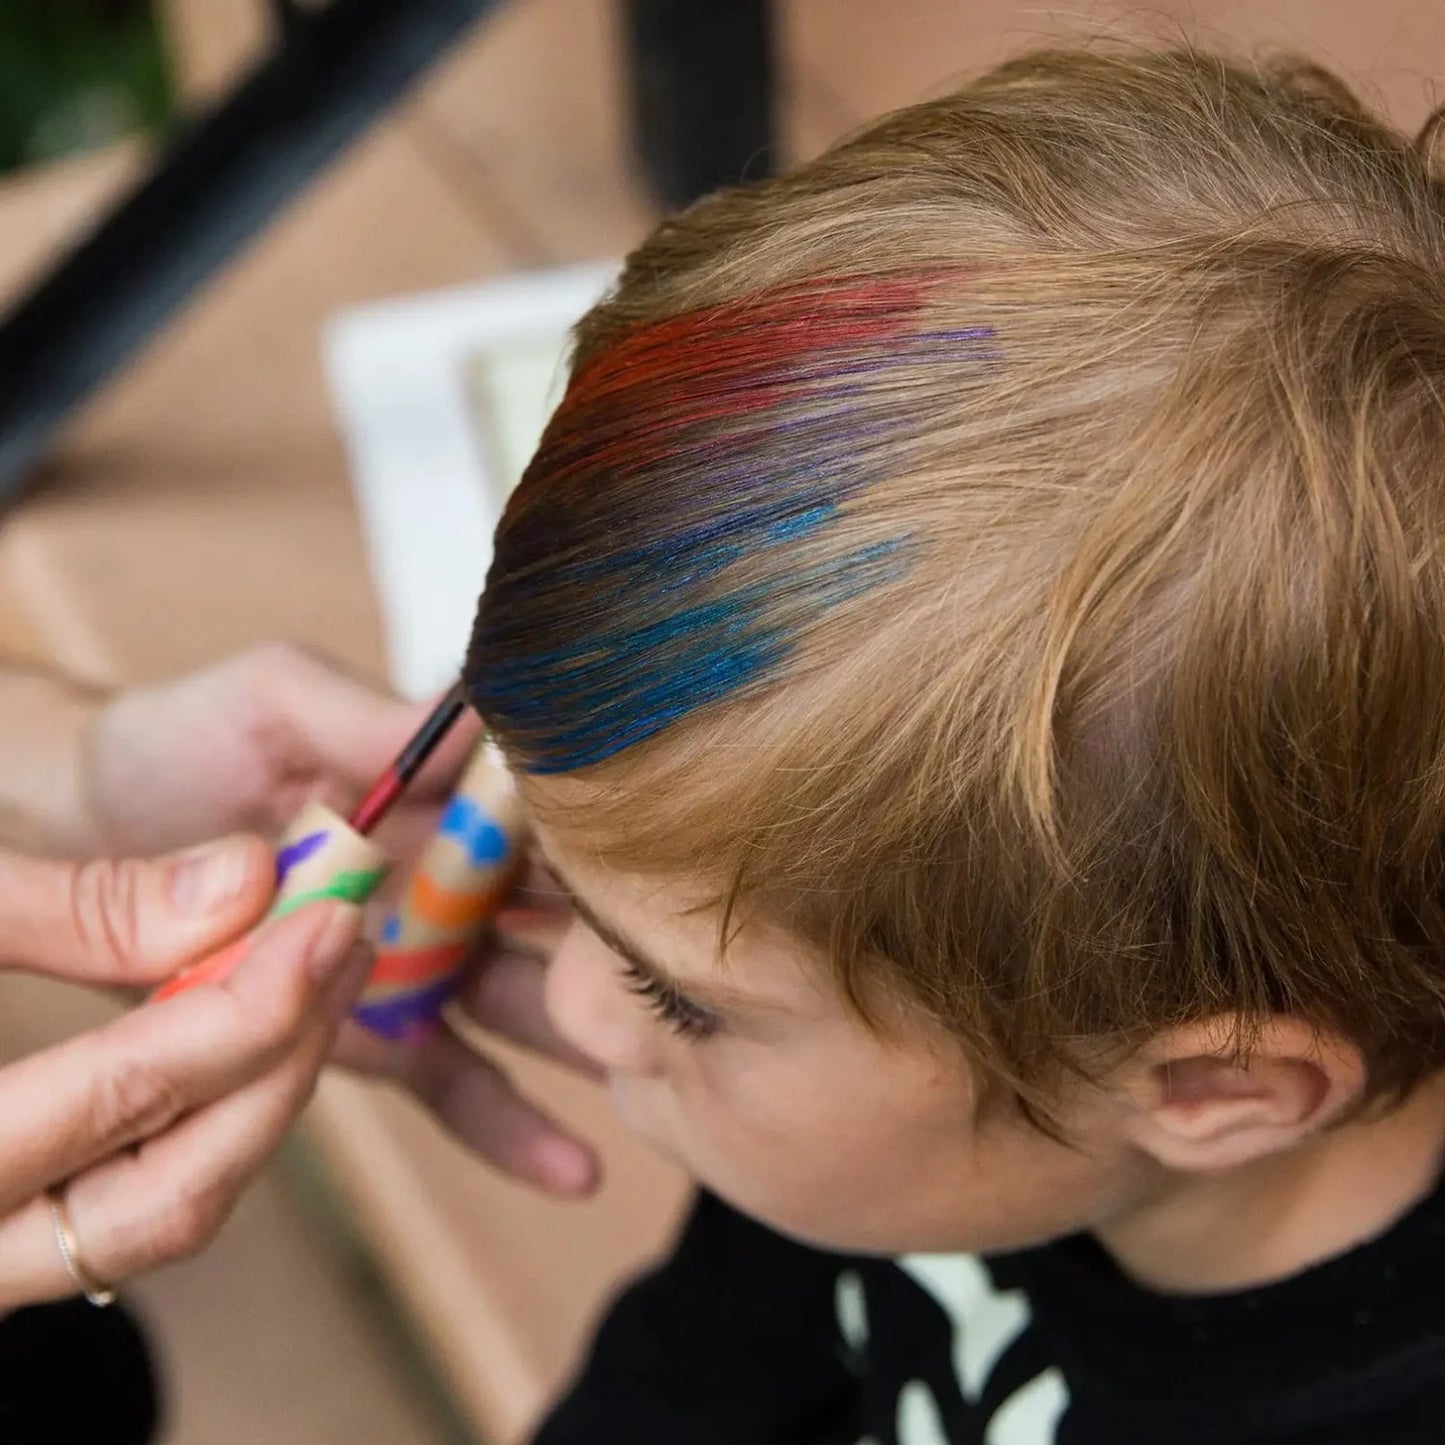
677	1011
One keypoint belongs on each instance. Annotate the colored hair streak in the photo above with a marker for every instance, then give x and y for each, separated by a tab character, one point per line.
661	552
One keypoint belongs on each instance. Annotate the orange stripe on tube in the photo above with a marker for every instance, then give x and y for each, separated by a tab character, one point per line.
455	910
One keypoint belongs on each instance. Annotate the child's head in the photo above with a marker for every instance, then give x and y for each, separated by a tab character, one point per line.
992	578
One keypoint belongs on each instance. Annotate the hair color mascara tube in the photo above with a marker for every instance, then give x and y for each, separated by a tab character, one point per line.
451	896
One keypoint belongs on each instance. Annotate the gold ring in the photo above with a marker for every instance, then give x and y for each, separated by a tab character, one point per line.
98	1294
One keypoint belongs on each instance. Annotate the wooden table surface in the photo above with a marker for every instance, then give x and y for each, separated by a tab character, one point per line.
201	502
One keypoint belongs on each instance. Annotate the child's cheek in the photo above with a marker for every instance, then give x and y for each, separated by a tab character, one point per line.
745	1096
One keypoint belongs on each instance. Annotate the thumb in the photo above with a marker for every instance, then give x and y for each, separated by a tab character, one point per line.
130	920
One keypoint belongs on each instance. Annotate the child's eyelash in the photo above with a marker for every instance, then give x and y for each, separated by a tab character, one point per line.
680	1014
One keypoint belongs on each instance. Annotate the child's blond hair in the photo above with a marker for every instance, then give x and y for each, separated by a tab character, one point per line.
1010	552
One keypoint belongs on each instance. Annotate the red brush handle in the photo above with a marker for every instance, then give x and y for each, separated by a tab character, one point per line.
379	798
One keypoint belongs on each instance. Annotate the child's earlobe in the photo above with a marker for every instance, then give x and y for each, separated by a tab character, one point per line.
1198	1105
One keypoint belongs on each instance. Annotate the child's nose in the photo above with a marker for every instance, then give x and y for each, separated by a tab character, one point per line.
591	1007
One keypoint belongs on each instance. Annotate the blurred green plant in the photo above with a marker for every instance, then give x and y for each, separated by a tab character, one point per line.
75	74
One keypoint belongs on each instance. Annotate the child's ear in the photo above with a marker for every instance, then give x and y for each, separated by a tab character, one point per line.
1197	1107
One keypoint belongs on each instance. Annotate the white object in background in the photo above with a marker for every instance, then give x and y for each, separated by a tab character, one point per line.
441	399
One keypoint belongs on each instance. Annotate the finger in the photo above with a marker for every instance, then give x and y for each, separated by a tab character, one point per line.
539	885
64	1108
536	932
501	994
130	921
476	1100
32	1269
504	994
168	1198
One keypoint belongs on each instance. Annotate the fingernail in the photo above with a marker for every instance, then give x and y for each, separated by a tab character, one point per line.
210	877
329	954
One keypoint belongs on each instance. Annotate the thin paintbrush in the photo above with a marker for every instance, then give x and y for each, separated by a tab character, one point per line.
410	760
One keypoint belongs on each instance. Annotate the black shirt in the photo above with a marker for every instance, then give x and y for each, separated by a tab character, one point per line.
71	1374
745	1338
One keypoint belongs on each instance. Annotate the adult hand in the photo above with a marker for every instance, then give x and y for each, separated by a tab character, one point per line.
243	745
148	1128
501	992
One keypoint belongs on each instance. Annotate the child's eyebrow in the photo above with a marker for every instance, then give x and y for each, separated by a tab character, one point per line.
708	995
